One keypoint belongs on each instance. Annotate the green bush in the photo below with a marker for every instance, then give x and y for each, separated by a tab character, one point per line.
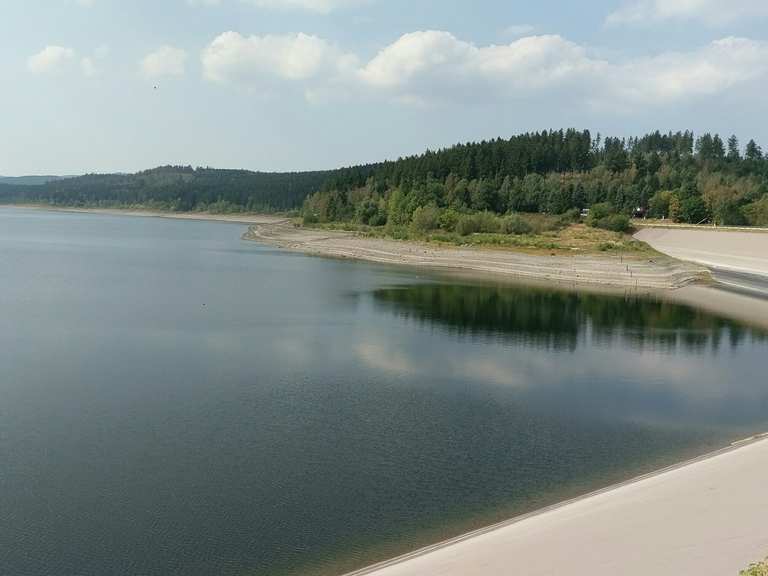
694	210
485	222
757	212
396	231
516	224
448	219
367	212
604	216
425	219
614	223
466	225
599	211
488	222
570	216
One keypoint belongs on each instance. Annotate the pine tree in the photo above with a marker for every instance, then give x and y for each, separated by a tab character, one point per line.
718	148
754	152
734	151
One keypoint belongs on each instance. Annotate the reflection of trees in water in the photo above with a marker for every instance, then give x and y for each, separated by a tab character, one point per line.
557	319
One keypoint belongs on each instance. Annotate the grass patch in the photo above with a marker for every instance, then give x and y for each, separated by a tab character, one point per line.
760	569
546	235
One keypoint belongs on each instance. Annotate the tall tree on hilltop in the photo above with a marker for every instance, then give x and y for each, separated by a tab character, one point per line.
754	152
734	150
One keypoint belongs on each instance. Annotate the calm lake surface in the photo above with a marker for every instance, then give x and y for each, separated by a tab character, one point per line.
177	401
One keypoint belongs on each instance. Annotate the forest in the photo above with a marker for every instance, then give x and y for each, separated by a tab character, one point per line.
674	176
175	188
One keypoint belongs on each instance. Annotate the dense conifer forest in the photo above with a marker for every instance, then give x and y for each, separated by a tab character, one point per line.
175	188
675	176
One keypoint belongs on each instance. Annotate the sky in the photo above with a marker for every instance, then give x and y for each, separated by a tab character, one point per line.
276	85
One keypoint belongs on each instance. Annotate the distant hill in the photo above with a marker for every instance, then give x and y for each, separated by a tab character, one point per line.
30	180
176	188
663	175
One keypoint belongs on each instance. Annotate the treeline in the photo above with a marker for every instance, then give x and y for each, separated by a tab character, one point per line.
676	176
176	188
672	176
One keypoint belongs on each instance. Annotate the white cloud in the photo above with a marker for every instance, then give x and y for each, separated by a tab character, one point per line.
85	3
434	66
712	12
319	6
257	61
673	77
424	65
50	59
164	62
60	59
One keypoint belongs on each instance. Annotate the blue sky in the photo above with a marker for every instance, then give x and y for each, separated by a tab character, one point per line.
309	84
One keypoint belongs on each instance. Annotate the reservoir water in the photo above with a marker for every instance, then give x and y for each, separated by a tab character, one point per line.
177	401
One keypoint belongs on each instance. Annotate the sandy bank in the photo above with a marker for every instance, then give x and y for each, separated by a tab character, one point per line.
725	249
603	270
704	518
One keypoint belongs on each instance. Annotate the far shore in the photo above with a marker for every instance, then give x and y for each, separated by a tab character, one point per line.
239	218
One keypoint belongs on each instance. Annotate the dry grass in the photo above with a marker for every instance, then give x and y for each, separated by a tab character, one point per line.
760	569
573	239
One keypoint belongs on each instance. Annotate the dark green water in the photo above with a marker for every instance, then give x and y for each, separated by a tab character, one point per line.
175	401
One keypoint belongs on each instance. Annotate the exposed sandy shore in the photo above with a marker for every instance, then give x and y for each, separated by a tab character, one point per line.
706	518
603	270
725	249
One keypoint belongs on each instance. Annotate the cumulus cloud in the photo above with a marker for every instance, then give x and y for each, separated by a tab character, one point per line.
710	70
259	61
428	66
50	59
61	59
319	6
166	61
432	64
424	66
712	12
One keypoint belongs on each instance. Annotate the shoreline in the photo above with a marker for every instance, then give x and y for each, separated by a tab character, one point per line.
576	271
401	565
693	288
602	270
244	218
